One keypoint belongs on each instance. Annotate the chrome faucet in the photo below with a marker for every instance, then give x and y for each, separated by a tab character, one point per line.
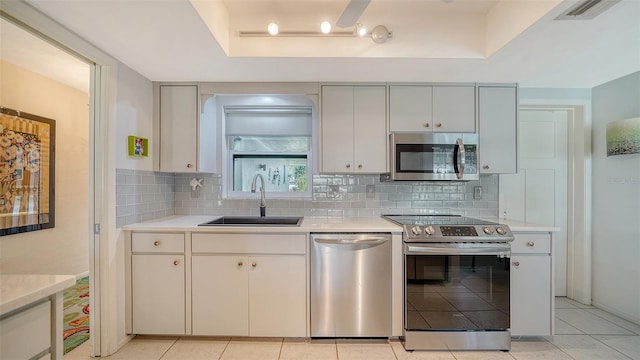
263	201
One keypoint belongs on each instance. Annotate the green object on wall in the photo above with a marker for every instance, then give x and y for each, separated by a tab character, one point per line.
138	146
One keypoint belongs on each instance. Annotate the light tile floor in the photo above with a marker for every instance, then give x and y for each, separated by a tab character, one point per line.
582	332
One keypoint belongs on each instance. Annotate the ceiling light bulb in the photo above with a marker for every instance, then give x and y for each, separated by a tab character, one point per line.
272	28
362	31
325	27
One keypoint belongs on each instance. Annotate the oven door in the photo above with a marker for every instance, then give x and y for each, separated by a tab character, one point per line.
456	287
440	156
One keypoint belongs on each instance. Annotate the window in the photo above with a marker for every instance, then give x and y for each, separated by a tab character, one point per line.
273	142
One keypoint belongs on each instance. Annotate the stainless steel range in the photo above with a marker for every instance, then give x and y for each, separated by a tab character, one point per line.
456	283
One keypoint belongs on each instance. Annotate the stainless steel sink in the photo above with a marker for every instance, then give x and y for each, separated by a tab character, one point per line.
253	221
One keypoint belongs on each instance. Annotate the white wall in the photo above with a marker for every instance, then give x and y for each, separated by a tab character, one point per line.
65	248
616	204
134	115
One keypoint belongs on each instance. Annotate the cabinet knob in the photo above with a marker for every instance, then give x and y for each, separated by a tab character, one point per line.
530	243
254	264
516	263
240	263
348	166
426	124
360	166
189	166
485	167
156	243
439	125
176	262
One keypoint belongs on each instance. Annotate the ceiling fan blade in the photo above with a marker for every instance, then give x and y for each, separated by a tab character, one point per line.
352	13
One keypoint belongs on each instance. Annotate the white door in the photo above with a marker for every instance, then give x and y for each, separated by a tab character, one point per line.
537	193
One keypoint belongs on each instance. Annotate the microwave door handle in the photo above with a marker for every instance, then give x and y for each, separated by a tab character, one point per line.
459	147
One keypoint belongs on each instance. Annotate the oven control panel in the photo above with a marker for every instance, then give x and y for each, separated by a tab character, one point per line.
458	233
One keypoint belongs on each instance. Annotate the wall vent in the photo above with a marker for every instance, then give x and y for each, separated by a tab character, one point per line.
587	9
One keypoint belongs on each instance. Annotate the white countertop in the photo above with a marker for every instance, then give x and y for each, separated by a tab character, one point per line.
17	290
309	224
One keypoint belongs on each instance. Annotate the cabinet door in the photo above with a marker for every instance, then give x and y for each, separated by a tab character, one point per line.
497	113
531	300
219	295
410	108
370	133
277	296
158	295
178	128
454	108
337	129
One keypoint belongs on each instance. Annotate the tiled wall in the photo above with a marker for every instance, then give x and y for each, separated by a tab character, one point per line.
143	195
345	195
146	195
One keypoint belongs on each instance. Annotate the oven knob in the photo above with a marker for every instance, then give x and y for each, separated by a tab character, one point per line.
500	230
416	230
487	230
429	230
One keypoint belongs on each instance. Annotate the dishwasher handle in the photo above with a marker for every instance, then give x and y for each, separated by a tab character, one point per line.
367	241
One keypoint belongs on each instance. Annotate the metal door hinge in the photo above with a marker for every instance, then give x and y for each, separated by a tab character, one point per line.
96	229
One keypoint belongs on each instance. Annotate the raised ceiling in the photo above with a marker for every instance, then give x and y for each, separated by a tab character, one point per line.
433	40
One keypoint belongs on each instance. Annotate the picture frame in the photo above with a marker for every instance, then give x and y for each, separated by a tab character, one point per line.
138	146
623	137
27	172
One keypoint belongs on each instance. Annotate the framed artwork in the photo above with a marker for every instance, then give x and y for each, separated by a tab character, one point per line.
623	137
27	172
138	146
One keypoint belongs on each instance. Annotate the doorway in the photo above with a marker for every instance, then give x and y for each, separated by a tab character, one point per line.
48	79
537	193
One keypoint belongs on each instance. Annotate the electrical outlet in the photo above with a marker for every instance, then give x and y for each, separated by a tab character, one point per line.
371	191
477	192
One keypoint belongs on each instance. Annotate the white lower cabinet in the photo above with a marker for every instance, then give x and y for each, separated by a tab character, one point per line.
249	285
158	304
532	298
158	294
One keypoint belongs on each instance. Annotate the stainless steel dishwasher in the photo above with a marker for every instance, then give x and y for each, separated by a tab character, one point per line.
351	285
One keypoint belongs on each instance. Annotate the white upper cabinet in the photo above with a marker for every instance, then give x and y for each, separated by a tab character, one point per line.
410	108
354	136
178	128
454	108
497	114
432	108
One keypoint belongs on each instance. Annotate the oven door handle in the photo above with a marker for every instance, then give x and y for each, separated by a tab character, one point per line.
498	250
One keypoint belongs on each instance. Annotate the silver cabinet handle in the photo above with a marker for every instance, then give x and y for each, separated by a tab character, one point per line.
530	243
486	167
516	263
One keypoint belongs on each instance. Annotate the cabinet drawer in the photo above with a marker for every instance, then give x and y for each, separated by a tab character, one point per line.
27	333
527	243
249	243
157	243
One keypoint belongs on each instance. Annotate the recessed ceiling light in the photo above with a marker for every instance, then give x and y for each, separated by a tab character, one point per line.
272	28
325	27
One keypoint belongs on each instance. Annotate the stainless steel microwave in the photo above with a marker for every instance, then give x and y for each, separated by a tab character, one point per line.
433	156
